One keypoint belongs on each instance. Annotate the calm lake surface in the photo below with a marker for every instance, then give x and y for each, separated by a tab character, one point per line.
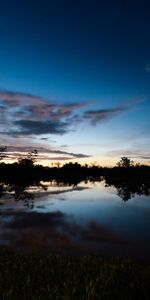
89	218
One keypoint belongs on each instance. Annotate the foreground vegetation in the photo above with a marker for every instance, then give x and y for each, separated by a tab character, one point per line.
30	277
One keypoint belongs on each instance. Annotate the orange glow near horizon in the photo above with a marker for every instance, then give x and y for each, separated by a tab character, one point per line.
89	161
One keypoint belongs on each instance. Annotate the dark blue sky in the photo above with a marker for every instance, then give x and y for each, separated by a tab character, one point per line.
80	52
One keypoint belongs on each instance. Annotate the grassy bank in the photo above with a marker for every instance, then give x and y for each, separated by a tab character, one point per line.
30	277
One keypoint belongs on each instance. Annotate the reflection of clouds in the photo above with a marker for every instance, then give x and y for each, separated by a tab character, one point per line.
74	230
47	242
55	232
47	195
38	220
97	232
36	232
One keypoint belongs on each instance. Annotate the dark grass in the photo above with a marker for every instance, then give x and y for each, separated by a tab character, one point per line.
31	277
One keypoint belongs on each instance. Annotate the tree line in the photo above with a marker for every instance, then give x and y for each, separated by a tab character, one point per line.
31	157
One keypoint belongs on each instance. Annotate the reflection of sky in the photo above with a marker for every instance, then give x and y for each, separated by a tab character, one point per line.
92	220
105	207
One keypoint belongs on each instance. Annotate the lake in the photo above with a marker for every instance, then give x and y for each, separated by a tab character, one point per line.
88	218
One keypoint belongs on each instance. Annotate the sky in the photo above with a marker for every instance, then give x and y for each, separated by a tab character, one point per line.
75	80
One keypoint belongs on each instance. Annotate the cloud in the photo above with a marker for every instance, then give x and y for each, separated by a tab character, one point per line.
36	107
44	139
28	127
34	115
147	68
23	114
144	157
99	116
76	155
134	153
32	119
14	152
102	115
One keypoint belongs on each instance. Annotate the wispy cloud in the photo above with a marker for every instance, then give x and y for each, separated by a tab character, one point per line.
14	152
144	157
24	114
99	116
133	153
147	68
102	115
28	127
32	120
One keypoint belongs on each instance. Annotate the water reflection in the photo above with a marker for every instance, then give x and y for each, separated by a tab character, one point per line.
126	187
91	219
29	191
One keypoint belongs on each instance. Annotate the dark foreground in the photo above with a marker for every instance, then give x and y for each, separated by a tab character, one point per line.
30	277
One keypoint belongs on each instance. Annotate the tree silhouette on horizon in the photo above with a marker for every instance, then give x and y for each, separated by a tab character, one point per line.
125	162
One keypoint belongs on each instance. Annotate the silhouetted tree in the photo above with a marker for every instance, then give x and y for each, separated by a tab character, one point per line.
30	159
2	189
58	164
3	149
125	162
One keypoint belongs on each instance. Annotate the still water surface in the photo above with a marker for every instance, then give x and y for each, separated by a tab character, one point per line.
89	218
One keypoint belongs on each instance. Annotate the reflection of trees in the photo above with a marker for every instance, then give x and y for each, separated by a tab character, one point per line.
20	192
16	178
2	189
128	191
26	192
129	184
124	193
